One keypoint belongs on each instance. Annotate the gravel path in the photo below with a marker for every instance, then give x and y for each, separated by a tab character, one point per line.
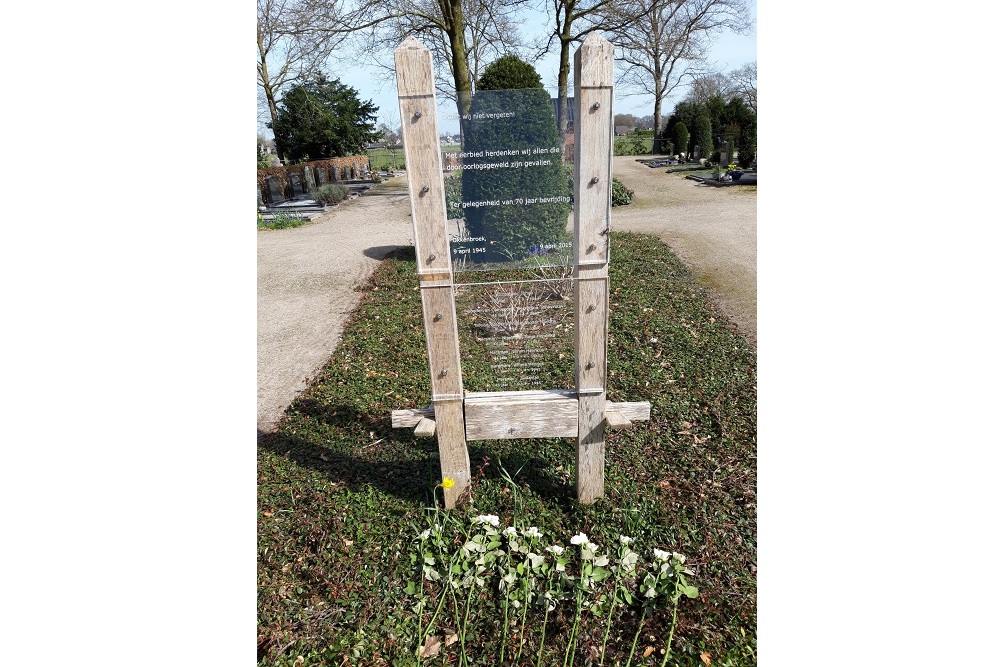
713	231
307	277
307	280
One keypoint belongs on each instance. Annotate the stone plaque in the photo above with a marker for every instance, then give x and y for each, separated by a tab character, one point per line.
296	182
309	178
274	194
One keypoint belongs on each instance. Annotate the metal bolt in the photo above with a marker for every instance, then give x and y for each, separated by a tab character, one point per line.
426	188
590	364
444	372
597	105
512	430
418	113
595	179
592	247
606	230
433	256
437	316
591	308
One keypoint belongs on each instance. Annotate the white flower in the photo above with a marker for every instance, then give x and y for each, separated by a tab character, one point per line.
424	535
491	519
510	531
579	539
437	528
532	532
624	540
680	558
554	549
651	592
661	555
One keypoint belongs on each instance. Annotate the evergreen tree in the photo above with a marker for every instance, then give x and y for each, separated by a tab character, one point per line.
320	118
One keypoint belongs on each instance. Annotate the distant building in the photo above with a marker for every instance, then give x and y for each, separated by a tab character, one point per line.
622	130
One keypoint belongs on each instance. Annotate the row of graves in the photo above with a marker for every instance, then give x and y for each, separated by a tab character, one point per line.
292	189
514	280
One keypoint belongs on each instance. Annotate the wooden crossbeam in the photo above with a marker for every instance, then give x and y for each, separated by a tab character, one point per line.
504	415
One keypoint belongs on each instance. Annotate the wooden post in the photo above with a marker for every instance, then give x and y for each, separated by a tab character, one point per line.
418	117
592	129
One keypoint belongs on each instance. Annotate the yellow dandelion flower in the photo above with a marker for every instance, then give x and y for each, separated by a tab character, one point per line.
447	483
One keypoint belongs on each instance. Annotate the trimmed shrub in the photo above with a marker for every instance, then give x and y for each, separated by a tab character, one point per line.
332	193
620	195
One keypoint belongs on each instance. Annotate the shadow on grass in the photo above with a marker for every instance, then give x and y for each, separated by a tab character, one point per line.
363	450
381	252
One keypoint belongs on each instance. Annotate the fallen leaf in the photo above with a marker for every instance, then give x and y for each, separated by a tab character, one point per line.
348	543
431	647
647	652
707	659
268	513
451	639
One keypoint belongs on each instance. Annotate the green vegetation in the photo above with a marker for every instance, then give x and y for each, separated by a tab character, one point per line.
681	137
343	498
280	221
332	193
633	144
384	158
320	118
620	195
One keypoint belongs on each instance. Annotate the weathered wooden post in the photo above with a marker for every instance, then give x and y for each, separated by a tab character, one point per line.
593	78
418	114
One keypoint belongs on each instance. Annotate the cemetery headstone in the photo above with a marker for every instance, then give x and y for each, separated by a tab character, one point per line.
296	182
274	194
321	176
310	179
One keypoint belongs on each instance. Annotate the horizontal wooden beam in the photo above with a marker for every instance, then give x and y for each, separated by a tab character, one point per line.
525	414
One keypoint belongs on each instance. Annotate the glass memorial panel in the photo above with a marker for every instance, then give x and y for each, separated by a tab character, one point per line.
509	201
509	189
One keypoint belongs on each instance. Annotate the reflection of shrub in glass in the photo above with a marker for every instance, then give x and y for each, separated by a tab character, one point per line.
514	120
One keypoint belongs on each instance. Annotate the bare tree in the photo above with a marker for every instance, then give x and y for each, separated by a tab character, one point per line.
744	83
706	86
462	35
289	48
573	21
667	42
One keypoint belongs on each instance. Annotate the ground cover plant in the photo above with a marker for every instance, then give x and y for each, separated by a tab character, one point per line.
280	221
348	506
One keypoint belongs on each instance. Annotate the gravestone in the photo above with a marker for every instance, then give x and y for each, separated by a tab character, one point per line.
335	173
310	179
724	153
274	194
511	280
321	176
296	182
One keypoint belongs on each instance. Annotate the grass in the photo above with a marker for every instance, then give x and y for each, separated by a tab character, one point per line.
280	221
342	494
382	158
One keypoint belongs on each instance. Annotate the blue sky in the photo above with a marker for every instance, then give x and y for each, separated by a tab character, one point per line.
730	51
